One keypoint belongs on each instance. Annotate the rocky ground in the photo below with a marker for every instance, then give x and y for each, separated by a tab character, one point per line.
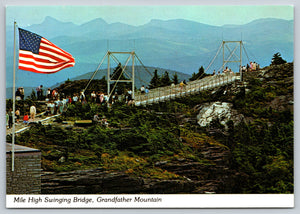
195	177
198	178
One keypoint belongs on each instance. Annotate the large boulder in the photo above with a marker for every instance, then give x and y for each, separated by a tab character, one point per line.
222	111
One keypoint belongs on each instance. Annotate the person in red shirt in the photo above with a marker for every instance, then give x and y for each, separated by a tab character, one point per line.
25	119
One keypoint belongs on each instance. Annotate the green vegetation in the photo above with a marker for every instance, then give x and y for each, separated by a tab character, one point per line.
163	80
201	74
148	138
260	147
277	59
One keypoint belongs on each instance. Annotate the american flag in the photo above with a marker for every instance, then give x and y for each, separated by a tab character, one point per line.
38	55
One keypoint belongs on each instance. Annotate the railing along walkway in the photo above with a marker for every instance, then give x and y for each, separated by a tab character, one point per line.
162	94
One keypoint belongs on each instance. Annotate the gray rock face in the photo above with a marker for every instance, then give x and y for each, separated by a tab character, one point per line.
98	181
218	110
212	176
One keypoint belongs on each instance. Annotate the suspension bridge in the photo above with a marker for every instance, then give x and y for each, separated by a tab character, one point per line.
167	93
162	94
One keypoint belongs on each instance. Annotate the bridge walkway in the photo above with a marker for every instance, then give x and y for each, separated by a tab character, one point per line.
167	93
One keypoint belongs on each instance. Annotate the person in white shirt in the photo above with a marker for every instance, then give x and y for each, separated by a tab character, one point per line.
32	112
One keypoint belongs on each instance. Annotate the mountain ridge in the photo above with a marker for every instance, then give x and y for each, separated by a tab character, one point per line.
177	46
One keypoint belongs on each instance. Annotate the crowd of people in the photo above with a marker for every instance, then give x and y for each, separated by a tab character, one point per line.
27	117
103	121
57	103
252	66
20	93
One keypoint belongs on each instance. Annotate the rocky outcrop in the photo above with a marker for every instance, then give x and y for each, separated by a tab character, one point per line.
98	181
211	176
222	111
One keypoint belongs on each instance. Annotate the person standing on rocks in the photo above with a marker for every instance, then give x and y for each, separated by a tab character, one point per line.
18	94
10	118
142	89
32	112
39	92
17	115
25	118
7	120
22	93
48	94
93	97
52	107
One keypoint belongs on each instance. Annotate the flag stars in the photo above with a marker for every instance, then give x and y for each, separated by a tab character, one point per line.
29	41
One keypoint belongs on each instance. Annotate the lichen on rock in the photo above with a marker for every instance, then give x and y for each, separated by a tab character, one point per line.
222	111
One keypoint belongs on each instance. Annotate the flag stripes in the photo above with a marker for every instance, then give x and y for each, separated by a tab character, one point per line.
48	59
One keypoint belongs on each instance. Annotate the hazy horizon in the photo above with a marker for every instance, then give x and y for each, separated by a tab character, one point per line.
140	15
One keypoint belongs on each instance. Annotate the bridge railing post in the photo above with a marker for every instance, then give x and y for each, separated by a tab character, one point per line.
158	94
167	91
201	86
151	97
200	83
187	89
214	80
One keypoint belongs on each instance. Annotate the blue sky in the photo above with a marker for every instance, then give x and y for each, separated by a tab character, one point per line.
139	15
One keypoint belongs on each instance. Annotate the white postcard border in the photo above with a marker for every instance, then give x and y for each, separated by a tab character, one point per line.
152	201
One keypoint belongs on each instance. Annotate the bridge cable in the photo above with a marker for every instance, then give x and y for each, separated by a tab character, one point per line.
213	58
95	73
118	78
246	53
117	61
234	52
252	55
228	58
138	74
143	65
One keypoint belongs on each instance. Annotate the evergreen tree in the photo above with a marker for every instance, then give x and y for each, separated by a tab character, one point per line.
277	59
32	95
175	79
155	81
201	74
165	79
117	72
193	77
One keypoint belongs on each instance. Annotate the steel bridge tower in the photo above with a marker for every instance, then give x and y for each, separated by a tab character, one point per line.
131	79
232	52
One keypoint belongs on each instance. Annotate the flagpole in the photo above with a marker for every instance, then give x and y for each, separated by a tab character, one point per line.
14	104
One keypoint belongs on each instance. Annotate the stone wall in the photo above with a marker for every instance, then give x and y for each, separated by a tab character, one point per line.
26	177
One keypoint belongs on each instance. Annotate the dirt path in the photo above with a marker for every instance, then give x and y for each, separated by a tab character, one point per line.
20	127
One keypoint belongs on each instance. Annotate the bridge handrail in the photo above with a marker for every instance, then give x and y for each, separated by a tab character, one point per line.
169	92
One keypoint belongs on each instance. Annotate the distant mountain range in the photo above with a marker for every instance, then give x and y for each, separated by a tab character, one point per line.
178	45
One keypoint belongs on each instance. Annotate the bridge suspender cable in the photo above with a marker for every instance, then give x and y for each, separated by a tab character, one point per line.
143	65
95	72
213	58
118	78
228	58
117	61
233	52
246	53
123	71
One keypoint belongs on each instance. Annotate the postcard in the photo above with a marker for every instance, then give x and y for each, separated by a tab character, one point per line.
150	106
